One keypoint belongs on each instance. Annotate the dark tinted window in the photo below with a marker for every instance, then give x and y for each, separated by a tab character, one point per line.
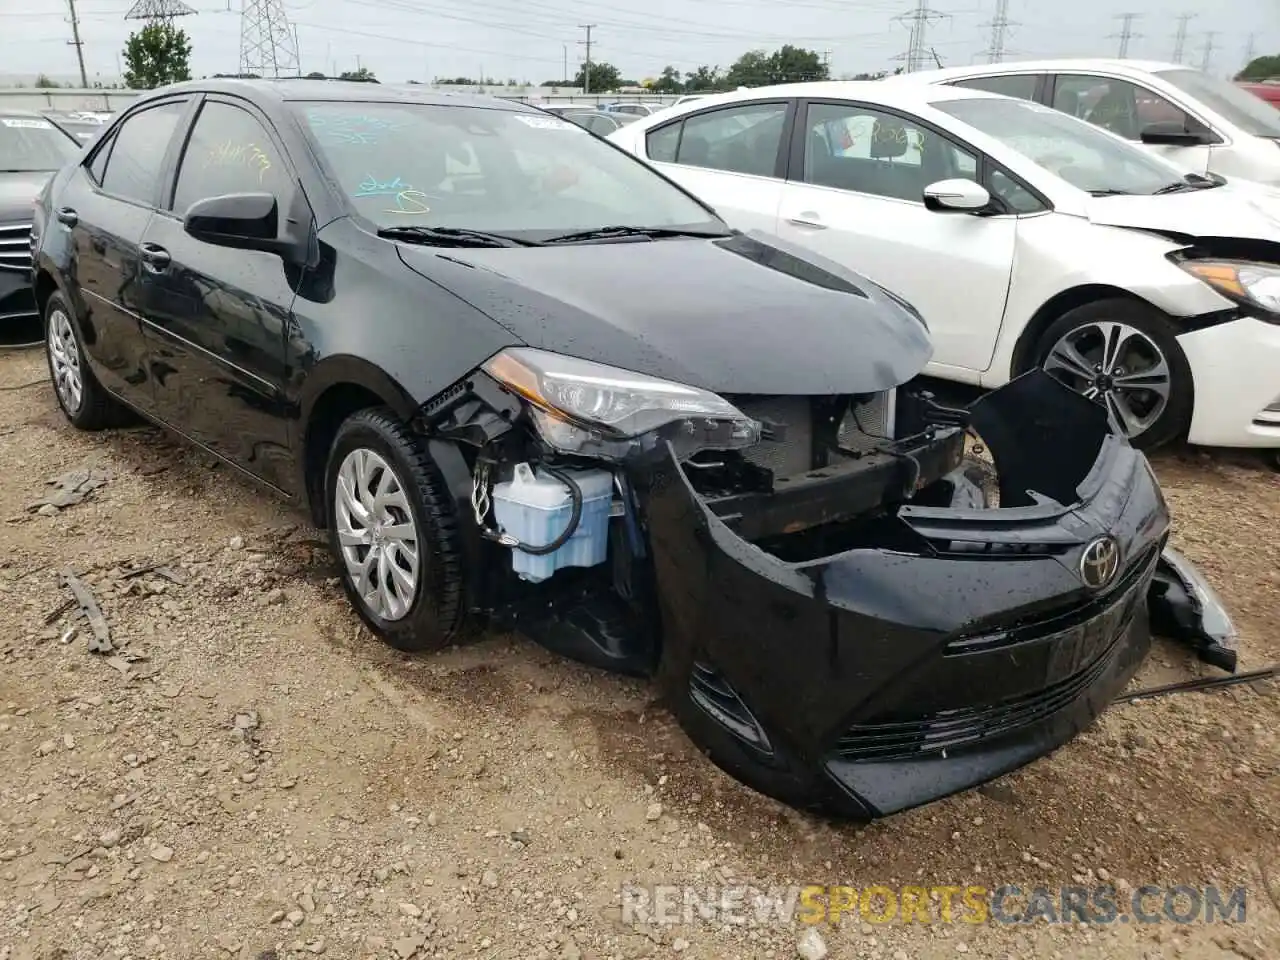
1122	107
228	152
743	139
138	154
1020	85
661	144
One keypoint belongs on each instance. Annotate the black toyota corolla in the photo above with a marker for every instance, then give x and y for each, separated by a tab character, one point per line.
522	379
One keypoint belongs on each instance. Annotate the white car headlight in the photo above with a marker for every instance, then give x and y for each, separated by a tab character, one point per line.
595	410
1244	281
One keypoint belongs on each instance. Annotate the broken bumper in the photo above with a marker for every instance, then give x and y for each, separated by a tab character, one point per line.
955	644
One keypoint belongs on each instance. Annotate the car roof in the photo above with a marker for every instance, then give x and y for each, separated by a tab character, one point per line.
336	91
1108	64
906	96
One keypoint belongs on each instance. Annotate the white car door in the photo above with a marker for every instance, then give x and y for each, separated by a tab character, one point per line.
855	194
730	157
1125	108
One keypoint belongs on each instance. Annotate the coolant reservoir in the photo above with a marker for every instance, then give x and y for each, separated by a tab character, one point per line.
536	508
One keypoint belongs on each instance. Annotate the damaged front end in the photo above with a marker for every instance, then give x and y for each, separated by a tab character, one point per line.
835	609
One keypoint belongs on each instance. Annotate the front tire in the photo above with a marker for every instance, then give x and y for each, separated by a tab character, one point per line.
82	399
1125	356
394	532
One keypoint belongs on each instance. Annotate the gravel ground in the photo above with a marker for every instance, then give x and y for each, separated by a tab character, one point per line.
252	775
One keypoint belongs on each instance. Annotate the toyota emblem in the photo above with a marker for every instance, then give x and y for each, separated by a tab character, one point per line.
1099	563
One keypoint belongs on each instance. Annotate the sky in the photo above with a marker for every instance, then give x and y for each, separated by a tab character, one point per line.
531	40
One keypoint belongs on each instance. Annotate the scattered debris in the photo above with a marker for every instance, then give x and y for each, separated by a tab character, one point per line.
810	945
70	488
100	642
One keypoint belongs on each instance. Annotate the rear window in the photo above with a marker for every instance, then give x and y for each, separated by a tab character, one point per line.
33	145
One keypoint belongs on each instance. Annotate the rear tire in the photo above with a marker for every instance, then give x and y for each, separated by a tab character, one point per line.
83	400
1124	355
394	532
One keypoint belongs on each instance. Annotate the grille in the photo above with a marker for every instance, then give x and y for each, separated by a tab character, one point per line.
873	422
15	247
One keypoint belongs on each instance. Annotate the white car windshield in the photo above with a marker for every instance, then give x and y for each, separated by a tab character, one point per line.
1240	107
33	145
531	175
1072	149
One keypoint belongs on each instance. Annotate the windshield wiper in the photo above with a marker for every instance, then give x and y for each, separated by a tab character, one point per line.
452	237
623	231
1110	192
1192	181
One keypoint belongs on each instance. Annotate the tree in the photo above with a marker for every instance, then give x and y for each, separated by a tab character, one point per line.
364	73
1261	68
604	76
752	69
668	82
157	54
787	64
703	80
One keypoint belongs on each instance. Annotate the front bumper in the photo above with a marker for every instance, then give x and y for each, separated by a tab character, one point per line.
17	297
951	645
1235	368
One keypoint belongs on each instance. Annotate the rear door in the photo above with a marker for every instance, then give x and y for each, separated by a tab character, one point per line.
855	194
732	157
217	317
107	205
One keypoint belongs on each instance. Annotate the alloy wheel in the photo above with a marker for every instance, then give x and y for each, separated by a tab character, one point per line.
377	534
64	352
1118	366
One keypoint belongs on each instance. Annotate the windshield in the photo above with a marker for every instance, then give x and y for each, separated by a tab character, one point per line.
32	145
1072	149
1236	106
520	174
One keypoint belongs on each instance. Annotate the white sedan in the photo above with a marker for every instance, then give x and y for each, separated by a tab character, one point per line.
1024	236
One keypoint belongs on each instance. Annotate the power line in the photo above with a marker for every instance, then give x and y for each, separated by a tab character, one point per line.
268	46
1126	33
919	18
586	70
77	43
1180	38
999	25
1206	55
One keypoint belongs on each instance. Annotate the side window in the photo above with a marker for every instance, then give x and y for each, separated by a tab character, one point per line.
742	139
1122	107
660	144
1018	197
851	147
1020	85
228	152
99	165
137	155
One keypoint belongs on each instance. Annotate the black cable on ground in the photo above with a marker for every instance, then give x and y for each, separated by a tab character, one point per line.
1201	683
24	386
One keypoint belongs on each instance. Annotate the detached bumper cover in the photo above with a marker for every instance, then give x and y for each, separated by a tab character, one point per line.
905	674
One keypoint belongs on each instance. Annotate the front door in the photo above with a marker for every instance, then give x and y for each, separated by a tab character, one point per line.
857	198
107	205
216	317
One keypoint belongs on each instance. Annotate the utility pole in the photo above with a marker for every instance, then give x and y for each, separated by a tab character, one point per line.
1180	38
999	25
565	75
1126	33
826	63
1206	55
919	18
586	70
77	43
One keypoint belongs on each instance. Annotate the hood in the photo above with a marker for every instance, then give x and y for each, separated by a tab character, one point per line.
1242	210
739	314
18	193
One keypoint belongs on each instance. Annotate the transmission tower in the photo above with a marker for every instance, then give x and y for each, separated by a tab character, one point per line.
1126	33
1180	38
1206	54
268	47
999	25
159	10
918	54
1250	46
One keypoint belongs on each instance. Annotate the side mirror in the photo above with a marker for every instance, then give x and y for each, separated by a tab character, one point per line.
246	221
1172	133
960	195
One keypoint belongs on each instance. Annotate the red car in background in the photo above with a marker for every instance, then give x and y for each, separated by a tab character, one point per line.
1269	92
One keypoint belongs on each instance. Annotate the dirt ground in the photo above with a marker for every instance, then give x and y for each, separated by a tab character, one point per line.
255	776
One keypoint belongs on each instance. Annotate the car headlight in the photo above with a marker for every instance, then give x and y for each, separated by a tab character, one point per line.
596	410
1247	282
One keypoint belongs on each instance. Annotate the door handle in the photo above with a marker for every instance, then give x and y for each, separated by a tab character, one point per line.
807	218
67	216
155	258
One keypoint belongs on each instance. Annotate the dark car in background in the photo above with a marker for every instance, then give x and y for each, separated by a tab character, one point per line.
433	321
31	150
